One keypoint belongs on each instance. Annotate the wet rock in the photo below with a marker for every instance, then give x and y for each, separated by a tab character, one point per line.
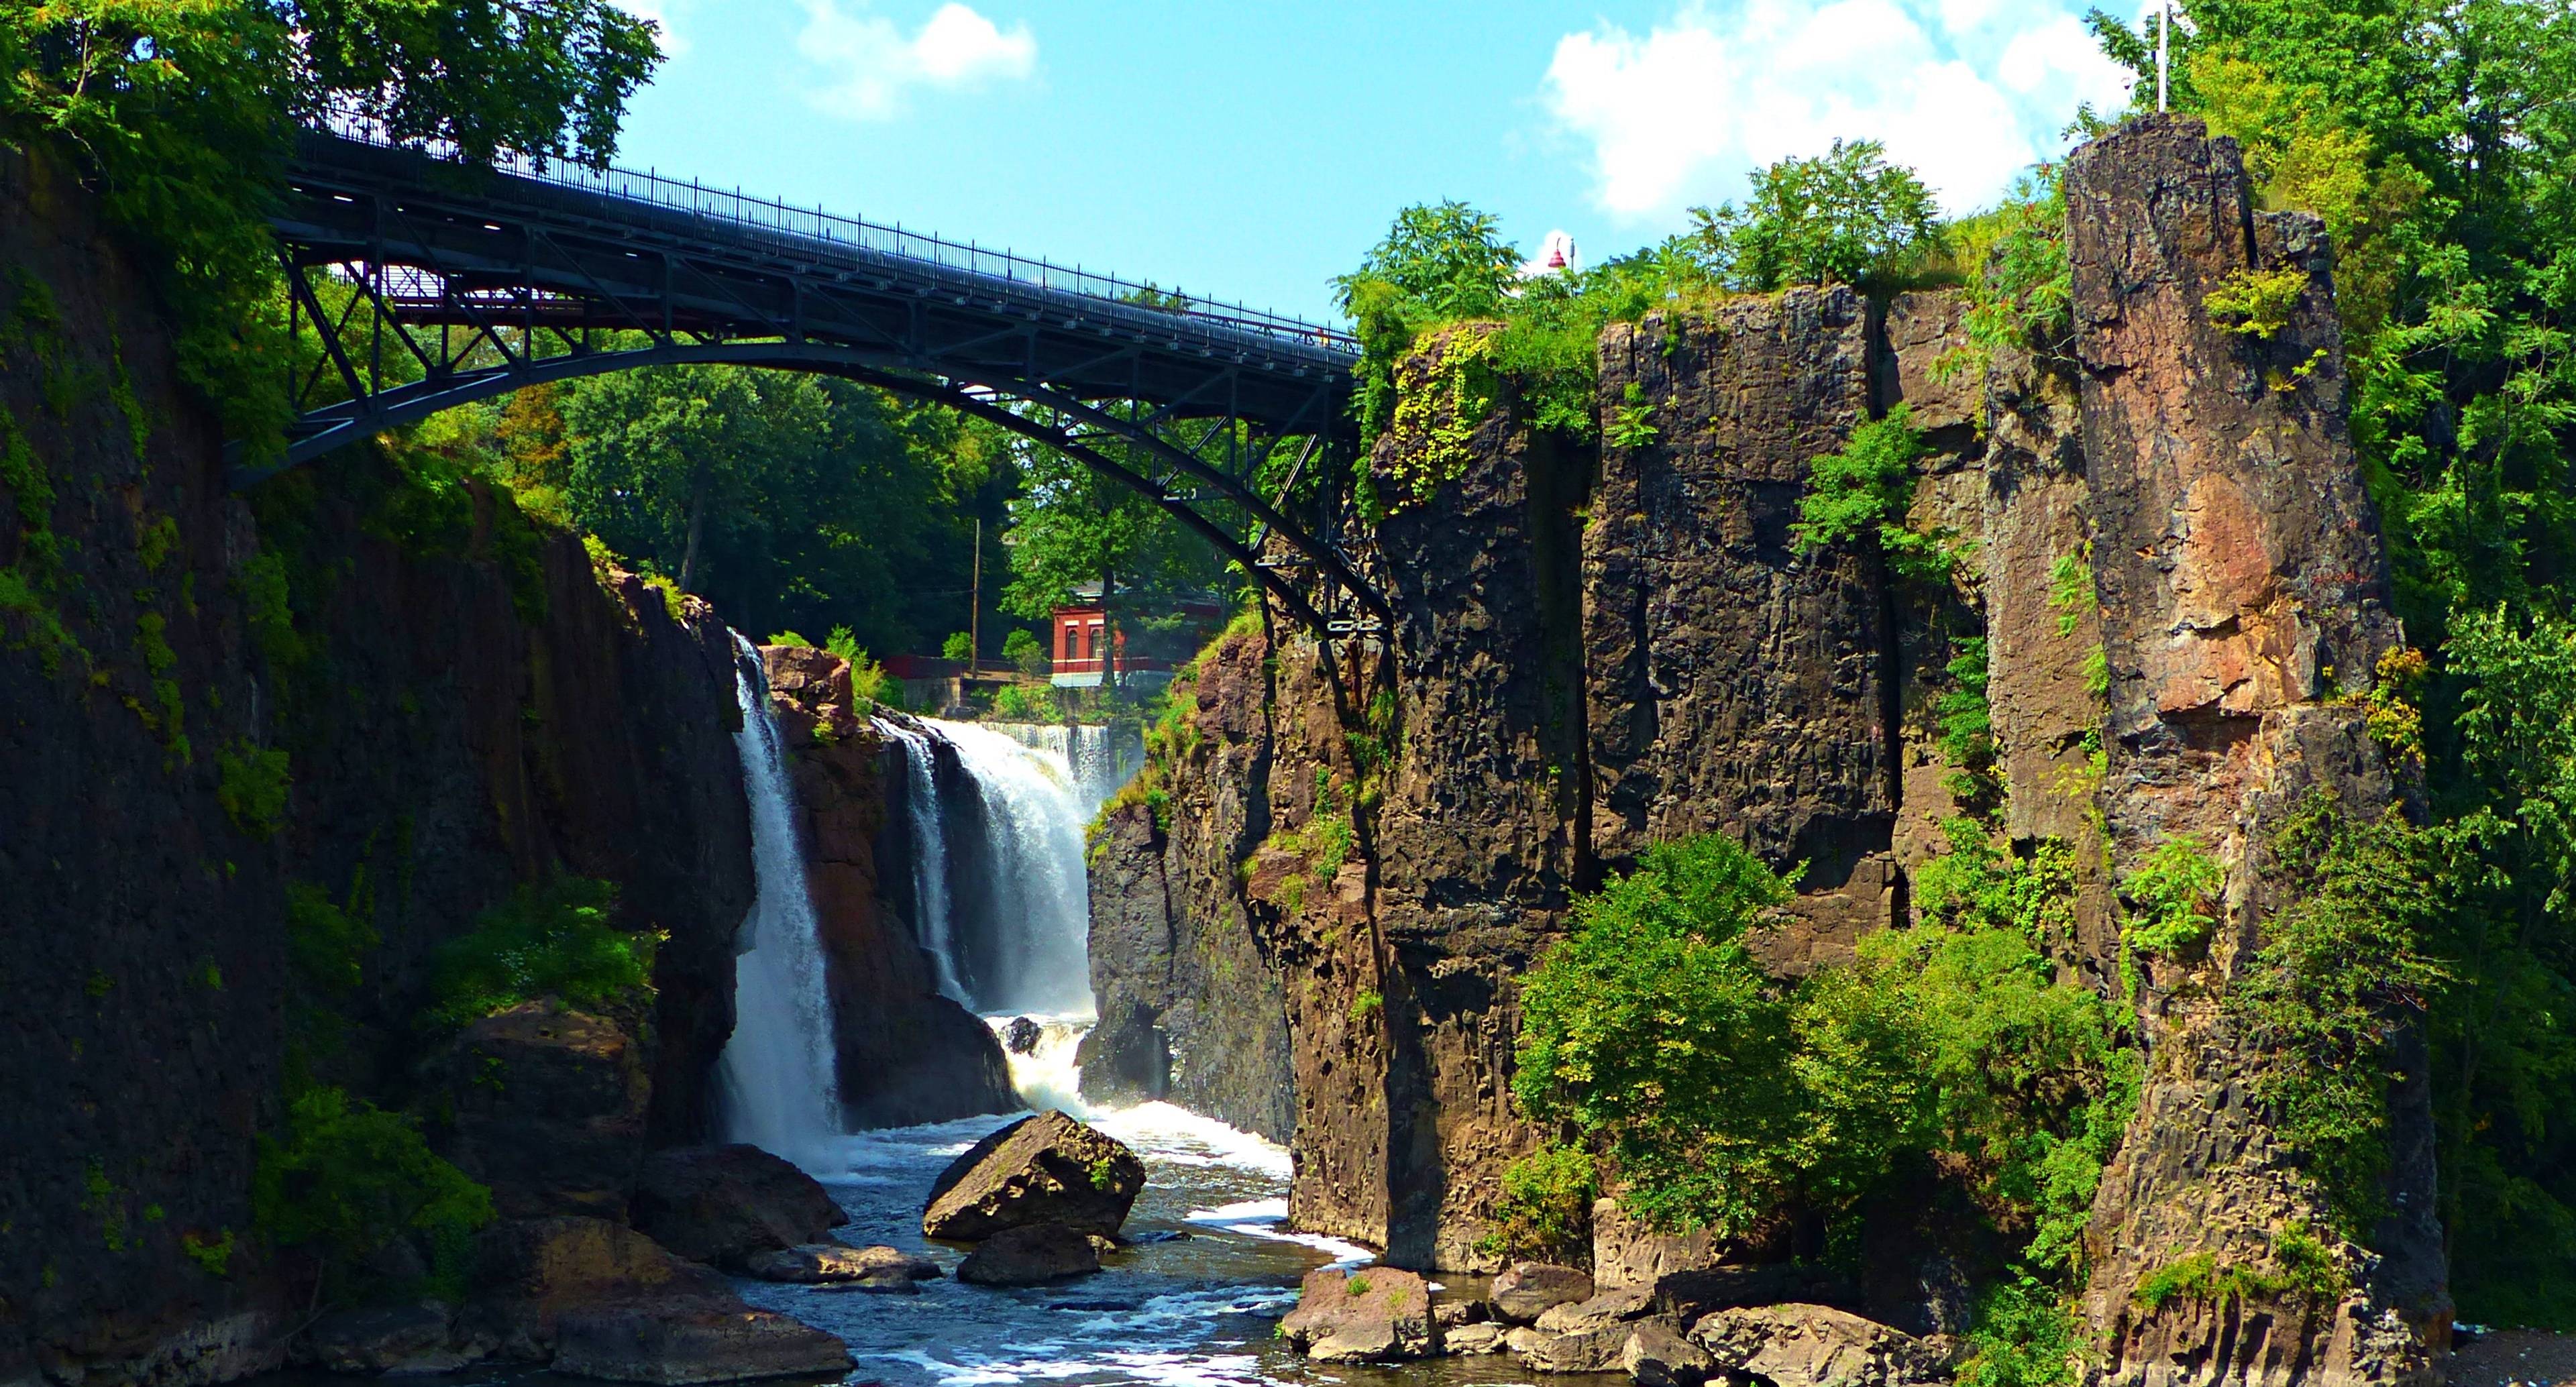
725	1204
598	1300
1457	1312
1801	1345
1480	1337
1587	1351
1048	1169
1021	1037
1598	1312
1657	1355
1030	1255
386	1338
822	1262
706	1344
1527	1290
1373	1315
549	1108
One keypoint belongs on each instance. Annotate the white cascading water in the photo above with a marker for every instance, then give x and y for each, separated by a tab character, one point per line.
777	1081
1100	759
1034	817
929	856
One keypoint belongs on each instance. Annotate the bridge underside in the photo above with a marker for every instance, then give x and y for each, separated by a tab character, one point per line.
428	285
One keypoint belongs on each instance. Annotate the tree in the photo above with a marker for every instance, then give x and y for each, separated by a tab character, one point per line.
1845	217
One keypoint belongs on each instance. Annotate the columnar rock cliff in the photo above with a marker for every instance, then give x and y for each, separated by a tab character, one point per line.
1596	649
465	704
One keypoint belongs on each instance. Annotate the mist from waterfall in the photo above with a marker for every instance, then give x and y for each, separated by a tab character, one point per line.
1099	758
776	1079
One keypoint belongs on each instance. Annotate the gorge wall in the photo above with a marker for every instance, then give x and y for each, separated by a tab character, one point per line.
465	704
1598	649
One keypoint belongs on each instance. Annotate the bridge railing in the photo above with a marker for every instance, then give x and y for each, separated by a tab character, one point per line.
745	211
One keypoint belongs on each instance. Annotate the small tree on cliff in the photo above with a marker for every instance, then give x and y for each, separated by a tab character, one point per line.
1845	217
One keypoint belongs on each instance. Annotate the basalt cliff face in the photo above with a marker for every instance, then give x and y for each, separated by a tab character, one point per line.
464	703
1597	649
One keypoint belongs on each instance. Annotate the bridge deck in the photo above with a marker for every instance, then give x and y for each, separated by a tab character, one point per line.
617	250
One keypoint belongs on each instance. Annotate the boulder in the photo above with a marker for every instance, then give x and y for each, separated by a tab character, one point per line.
726	1204
1627	1251
388	1338
1468	1311
1799	1345
1021	1036
548	1107
1031	1255
1372	1315
694	1345
1047	1169
1657	1355
1482	1336
531	1273
816	1263
1599	1312
1691	1294
1527	1290
1586	1351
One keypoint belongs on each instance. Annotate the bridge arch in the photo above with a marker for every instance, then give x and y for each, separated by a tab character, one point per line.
493	280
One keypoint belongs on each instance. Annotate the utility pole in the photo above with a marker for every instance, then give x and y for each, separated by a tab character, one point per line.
975	609
2164	44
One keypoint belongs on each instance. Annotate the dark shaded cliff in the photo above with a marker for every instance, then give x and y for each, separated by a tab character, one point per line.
2171	496
463	703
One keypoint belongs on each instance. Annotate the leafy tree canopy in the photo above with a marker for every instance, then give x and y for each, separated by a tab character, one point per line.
1846	216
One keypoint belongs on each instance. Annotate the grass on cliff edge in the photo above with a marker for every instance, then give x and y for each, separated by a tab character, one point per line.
550	939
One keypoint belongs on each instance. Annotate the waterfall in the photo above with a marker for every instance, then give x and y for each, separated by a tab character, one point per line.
1099	758
777	1081
929	855
1028	877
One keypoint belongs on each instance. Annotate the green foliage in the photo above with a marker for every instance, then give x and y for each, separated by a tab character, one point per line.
1356	1284
1632	422
251	783
1024	652
1724	1094
1545	1212
2176	891
2021	289
213	1256
2340	972
1863	494
959	646
2256	303
550	939
2024	1335
1844	217
790	640
1023	703
1967	724
2304	1268
1368	1003
345	1178
1104	1173
326	944
265	607
2070	589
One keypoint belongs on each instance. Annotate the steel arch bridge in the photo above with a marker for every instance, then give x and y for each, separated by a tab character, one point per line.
430	284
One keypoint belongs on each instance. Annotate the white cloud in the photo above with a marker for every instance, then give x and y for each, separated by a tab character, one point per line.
873	68
1968	92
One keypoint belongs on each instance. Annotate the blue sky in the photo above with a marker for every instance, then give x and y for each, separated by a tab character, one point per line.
1250	151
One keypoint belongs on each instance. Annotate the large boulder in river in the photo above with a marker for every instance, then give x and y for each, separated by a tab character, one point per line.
599	1300
1372	1315
726	1204
1030	1255
831	1263
1043	1169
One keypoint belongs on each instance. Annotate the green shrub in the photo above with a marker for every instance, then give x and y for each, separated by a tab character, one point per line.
346	1178
2340	971
1632	422
1967	725
959	646
1863	493
324	943
791	640
214	1255
2024	1335
2021	289
2070	588
1357	1285
1025	652
1844	217
1023	703
550	939
1546	1207
2176	891
251	783
2257	303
